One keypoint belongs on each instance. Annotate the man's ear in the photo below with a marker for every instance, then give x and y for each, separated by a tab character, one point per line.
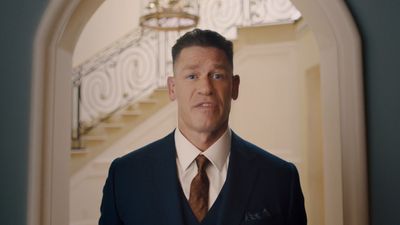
235	86
171	88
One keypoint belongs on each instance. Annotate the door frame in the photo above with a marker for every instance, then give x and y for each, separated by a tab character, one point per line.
345	164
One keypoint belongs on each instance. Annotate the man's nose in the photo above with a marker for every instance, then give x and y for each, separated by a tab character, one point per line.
205	86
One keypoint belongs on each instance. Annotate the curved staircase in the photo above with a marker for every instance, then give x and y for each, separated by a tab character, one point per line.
108	131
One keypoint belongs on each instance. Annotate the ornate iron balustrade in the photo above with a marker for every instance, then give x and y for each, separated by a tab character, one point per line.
139	63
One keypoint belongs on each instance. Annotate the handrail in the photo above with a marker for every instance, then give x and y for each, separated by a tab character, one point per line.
113	80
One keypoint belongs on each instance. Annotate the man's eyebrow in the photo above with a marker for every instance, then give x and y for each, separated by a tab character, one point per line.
216	66
189	67
221	66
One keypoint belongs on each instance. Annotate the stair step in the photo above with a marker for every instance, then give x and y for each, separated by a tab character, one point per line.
80	151
112	125
94	138
161	92
131	113
148	101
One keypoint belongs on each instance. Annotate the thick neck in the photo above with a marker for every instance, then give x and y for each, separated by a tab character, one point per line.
203	140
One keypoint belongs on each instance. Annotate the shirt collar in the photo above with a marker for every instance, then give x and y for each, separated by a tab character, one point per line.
217	153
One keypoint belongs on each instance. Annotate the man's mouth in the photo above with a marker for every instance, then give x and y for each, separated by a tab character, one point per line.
205	105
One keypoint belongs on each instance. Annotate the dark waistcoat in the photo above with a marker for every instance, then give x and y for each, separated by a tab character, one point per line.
212	215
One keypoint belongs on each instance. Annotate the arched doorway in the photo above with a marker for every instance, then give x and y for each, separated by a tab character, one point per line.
342	109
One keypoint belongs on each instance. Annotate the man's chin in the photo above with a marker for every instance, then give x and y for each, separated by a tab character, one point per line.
210	128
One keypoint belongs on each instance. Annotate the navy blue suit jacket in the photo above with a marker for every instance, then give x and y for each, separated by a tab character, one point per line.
142	188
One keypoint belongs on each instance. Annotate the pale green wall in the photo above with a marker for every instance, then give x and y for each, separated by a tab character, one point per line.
379	26
18	22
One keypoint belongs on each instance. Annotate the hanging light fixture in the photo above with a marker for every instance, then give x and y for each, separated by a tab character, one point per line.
170	15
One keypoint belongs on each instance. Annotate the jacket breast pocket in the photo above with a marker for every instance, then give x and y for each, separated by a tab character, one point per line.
266	221
262	217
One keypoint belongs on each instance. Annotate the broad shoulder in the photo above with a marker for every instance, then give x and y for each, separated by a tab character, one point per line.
161	148
259	156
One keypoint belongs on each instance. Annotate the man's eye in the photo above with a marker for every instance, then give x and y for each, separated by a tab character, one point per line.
217	76
191	77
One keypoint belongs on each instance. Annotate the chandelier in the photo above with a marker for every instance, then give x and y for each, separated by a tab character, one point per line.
170	15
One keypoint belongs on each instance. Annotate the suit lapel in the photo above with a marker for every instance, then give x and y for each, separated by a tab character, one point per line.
239	183
166	183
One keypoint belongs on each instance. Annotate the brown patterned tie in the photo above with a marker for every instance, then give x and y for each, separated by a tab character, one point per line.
198	199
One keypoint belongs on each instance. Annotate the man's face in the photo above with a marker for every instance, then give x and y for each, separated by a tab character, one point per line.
203	86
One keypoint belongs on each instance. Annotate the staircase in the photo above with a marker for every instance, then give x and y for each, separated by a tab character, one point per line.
107	132
128	129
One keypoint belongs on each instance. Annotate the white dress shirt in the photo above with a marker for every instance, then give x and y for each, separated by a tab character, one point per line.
217	154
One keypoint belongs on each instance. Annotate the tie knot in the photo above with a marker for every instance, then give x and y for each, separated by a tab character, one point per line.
201	162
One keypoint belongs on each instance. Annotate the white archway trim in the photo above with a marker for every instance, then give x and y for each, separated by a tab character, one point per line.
343	114
343	110
49	147
40	155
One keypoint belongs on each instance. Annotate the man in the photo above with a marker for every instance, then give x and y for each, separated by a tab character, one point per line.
202	173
